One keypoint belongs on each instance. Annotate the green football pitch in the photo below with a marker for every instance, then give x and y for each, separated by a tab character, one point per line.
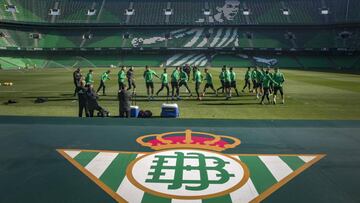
309	95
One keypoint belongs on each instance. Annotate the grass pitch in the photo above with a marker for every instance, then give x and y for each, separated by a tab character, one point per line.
309	95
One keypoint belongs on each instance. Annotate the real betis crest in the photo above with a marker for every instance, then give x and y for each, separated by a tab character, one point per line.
188	167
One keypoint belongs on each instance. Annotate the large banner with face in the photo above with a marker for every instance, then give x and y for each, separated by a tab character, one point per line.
226	12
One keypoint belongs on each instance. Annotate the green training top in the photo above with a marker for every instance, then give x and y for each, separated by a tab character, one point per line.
248	75
259	76
198	76
164	78
175	76
267	79
149	75
232	76
89	79
253	75
105	77
279	78
183	76
222	76
208	78
227	77
121	76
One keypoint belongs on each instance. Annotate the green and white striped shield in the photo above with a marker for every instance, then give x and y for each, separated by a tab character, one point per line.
188	175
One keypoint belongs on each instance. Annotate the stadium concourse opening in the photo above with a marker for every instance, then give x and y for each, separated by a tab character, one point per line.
186	101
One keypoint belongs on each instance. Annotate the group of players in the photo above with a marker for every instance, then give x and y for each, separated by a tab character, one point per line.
264	82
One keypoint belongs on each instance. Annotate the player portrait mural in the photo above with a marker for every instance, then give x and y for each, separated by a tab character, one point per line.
226	12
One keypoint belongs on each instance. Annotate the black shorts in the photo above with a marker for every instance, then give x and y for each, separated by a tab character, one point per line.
233	84
181	83
121	84
260	84
276	89
197	85
149	85
174	85
208	85
131	83
255	83
227	84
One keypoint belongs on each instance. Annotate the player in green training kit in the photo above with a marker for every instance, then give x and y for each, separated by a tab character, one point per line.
222	79
175	77
121	77
164	83
227	84
149	81
233	81
198	79
209	82
89	79
104	78
259	81
247	80
266	80
278	86
184	81
253	78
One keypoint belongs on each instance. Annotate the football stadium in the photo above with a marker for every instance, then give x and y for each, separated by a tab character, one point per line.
183	101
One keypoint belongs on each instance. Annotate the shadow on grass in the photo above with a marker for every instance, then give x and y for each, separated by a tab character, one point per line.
229	104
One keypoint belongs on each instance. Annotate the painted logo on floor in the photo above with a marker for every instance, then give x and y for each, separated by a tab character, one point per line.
188	166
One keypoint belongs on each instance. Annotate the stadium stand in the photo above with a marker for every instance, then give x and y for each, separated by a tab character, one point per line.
98	33
183	12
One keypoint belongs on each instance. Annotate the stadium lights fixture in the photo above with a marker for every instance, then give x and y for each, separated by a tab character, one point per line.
286	12
126	36
11	8
290	36
168	12
246	12
324	11
129	12
91	12
207	12
248	35
35	35
345	34
87	36
54	11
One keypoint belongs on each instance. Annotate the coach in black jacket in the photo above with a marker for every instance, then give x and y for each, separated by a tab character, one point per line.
124	102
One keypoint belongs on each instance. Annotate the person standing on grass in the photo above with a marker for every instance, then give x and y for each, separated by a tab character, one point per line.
164	83
149	81
267	79
187	70
121	77
253	78
131	80
124	102
227	83
260	74
77	78
175	77
198	79
279	78
103	79
222	80
184	81
92	103
89	79
247	80
82	98
233	80
209	82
